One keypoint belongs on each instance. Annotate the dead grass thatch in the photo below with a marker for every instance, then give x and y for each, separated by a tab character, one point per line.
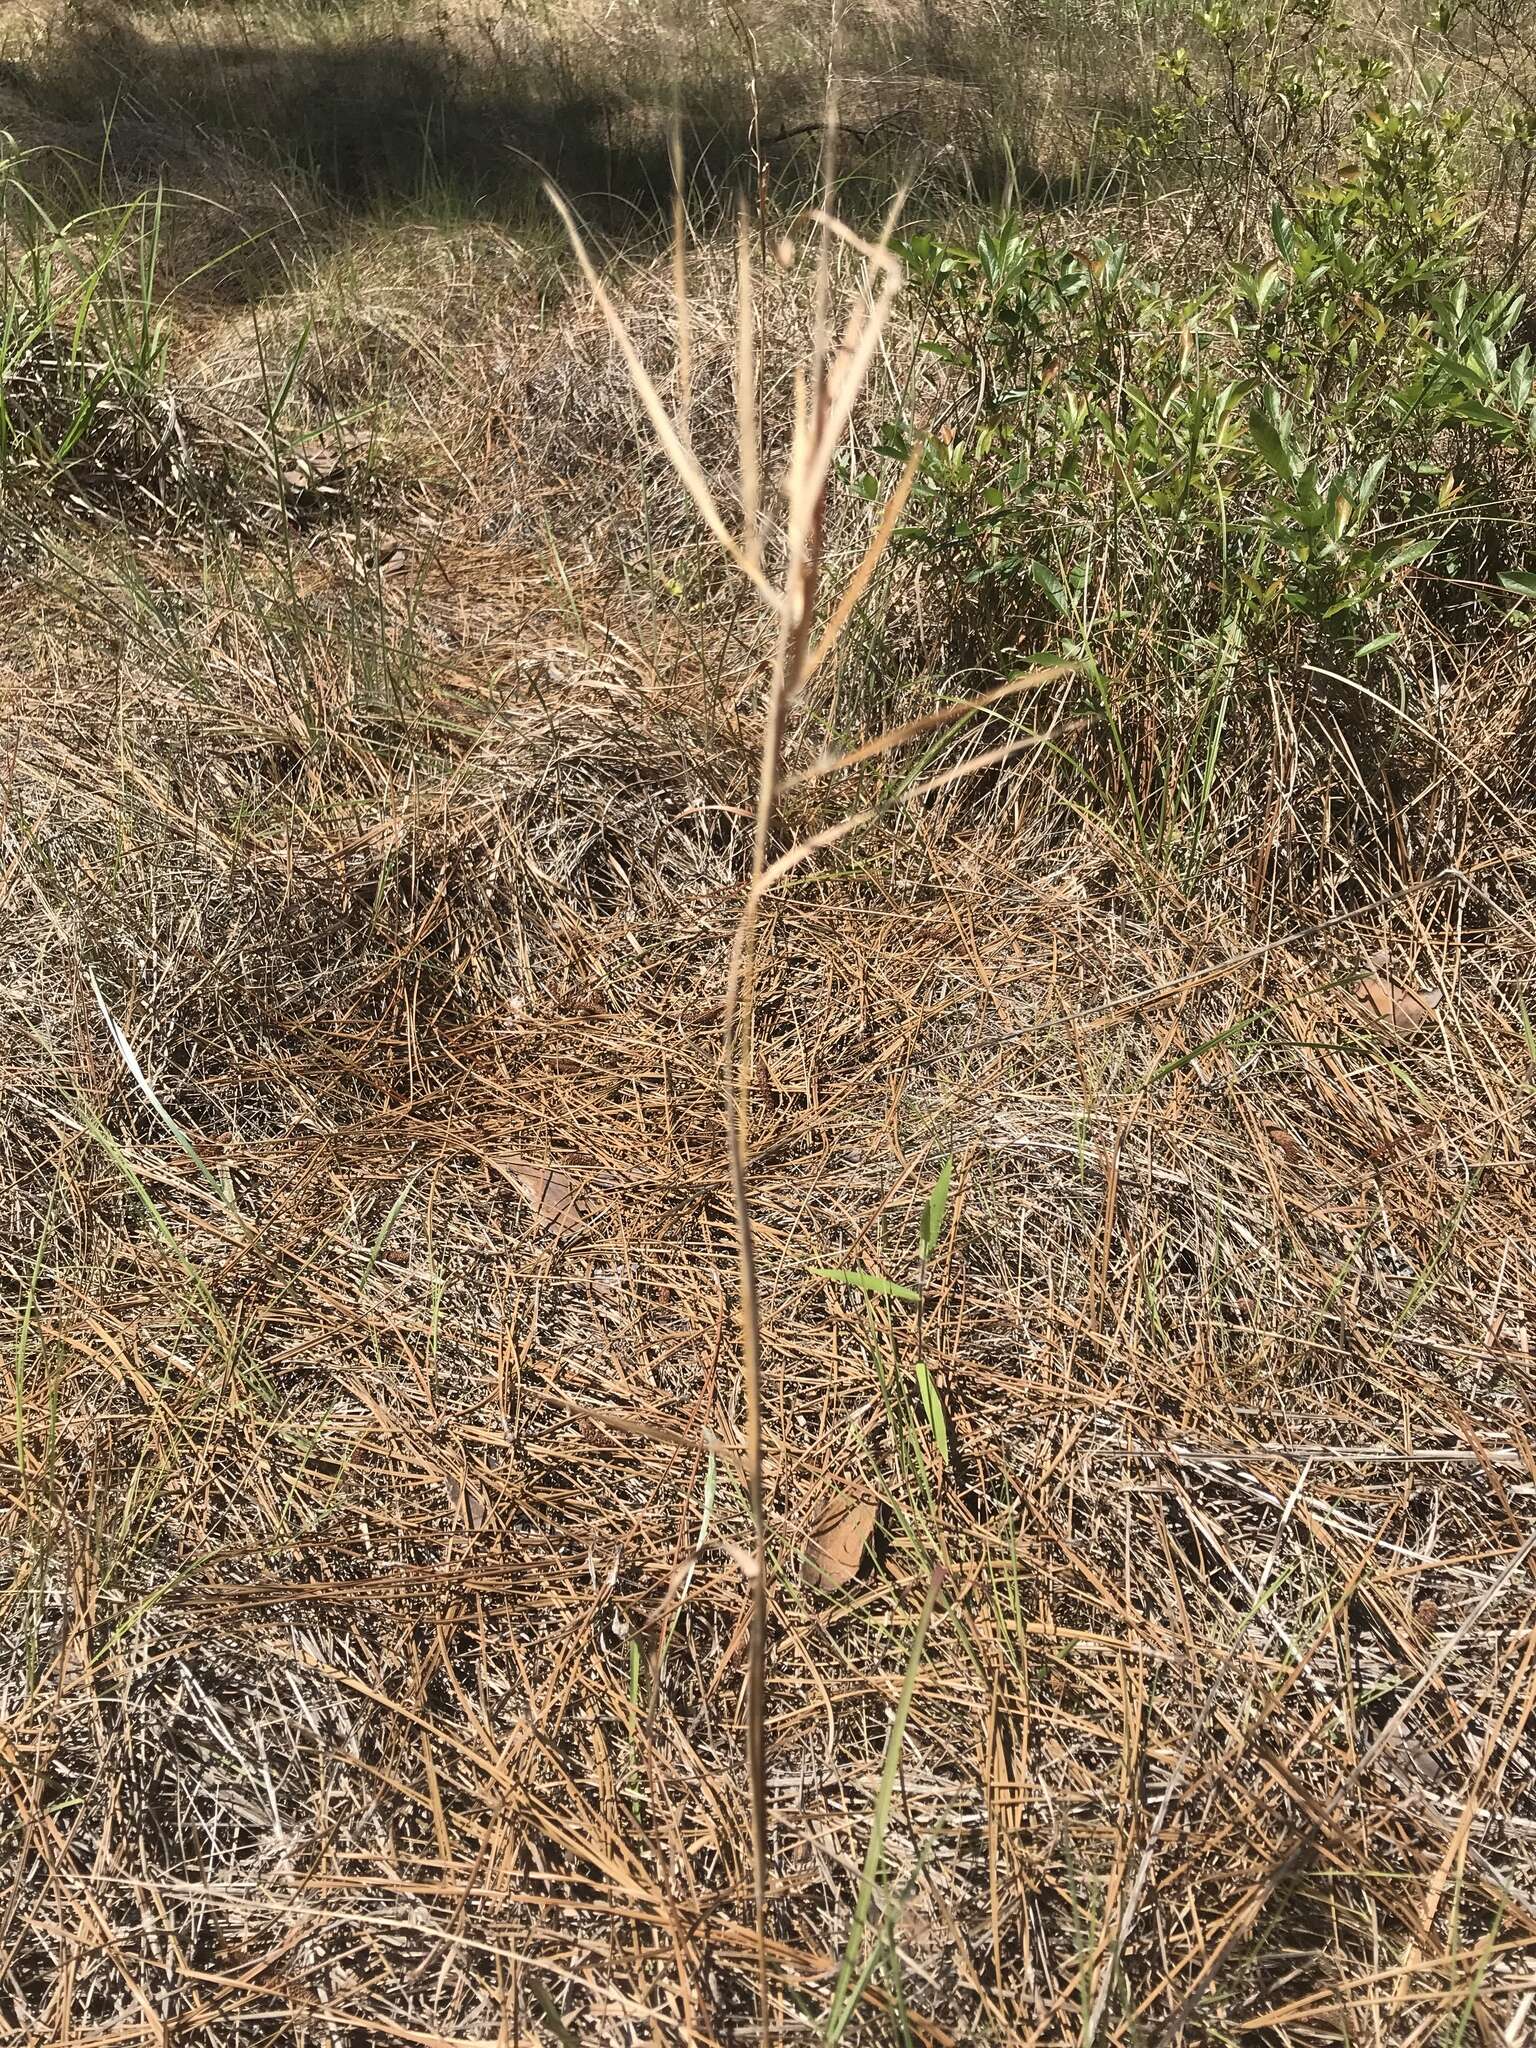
1150	1643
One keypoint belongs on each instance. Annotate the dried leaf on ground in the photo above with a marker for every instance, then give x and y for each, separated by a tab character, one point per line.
466	1503
549	1191
1393	1007
838	1539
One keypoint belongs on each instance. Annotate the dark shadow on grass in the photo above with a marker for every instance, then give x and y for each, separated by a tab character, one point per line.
371	119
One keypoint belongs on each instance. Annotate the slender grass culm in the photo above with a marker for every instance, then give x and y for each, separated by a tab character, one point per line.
826	387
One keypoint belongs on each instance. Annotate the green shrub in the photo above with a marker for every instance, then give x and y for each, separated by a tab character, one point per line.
1305	462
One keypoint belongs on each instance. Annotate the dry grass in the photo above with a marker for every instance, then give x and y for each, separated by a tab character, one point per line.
377	1509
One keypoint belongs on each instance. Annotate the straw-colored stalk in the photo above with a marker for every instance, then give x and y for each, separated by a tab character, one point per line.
827	387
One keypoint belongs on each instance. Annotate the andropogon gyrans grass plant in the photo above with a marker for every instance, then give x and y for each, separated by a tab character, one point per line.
827	387
826	392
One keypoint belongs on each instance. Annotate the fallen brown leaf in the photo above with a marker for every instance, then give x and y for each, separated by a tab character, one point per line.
1393	1007
466	1503
549	1191
838	1538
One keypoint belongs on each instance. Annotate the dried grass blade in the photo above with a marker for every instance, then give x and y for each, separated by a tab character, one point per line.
834	834
930	721
748	438
678	454
680	283
852	367
858	583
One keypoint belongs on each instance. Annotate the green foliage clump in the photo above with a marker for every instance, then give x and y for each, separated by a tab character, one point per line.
1305	462
1292	441
84	409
